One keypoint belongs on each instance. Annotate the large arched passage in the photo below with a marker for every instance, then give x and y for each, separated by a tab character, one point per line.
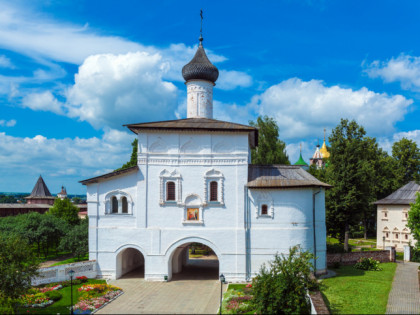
193	261
130	263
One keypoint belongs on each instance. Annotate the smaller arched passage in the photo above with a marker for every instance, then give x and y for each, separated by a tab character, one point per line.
193	260
130	262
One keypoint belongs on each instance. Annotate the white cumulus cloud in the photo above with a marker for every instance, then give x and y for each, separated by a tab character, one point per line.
44	101
387	142
404	69
5	62
110	90
7	123
302	107
69	160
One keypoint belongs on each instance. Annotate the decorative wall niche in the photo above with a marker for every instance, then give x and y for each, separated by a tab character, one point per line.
158	146
193	210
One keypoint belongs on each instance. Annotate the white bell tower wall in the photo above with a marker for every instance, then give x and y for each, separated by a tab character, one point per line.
199	99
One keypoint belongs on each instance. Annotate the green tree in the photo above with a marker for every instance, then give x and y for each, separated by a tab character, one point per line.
413	220
65	210
76	240
407	155
18	265
351	173
7	199
282	287
270	149
76	200
133	159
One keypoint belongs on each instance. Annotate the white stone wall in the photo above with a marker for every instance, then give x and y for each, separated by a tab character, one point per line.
391	223
61	272
289	222
199	99
158	229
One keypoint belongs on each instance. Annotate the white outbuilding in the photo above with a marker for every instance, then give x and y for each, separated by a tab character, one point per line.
194	183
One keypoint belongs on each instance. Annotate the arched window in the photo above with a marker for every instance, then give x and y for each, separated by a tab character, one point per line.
396	235
114	203
264	210
170	191
213	191
124	205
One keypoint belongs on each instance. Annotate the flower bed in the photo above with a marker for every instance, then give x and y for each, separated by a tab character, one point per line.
94	296
237	300
35	300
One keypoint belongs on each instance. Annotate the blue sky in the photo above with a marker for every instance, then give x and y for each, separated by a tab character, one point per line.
73	72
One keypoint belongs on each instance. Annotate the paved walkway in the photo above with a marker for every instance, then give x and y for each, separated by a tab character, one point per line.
194	291
404	297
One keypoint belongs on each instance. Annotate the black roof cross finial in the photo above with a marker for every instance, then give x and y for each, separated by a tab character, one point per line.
201	27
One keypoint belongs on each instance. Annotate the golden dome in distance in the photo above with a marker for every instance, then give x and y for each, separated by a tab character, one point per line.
324	152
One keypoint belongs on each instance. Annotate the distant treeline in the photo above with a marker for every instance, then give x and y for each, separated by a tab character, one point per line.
14	197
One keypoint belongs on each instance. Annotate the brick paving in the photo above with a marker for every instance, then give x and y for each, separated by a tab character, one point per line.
194	291
404	297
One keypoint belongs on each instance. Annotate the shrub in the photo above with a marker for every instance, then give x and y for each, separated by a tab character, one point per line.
282	288
414	254
368	264
336	265
53	295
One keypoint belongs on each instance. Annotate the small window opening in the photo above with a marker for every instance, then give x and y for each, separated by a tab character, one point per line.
124	205
396	235
406	236
264	209
387	234
385	214
114	204
213	191
406	215
170	191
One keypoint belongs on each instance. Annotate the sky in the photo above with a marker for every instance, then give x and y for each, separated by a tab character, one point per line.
73	72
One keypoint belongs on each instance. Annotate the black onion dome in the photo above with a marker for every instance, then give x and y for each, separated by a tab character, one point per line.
200	67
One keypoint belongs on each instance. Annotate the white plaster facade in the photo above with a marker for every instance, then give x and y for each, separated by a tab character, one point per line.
233	226
391	224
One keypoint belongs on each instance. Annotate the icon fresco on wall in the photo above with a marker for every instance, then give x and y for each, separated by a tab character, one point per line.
192	214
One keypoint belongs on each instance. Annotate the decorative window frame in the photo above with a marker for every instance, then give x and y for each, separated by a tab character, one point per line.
264	198
385	215
213	175
396	235
193	201
119	194
405	214
174	176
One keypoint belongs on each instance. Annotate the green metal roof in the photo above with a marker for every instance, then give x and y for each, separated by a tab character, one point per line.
301	161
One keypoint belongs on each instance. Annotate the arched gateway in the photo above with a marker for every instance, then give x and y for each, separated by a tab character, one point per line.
183	263
129	259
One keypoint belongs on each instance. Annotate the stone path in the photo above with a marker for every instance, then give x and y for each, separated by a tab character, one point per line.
192	292
404	297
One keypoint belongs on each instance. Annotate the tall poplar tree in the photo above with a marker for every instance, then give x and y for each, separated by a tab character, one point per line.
270	150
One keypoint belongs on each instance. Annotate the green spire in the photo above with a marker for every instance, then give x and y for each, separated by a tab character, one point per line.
301	161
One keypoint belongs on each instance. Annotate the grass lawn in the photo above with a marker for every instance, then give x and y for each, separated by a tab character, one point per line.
62	306
71	260
355	291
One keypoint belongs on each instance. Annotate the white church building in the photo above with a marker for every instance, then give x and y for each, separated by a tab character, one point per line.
194	183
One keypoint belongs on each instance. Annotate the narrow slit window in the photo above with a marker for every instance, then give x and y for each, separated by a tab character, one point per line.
213	191
124	205
170	191
396	235
406	236
386	234
264	210
114	204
